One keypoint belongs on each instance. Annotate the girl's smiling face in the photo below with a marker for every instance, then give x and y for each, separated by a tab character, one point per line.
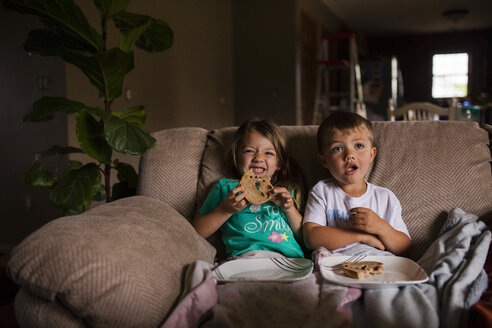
348	155
257	152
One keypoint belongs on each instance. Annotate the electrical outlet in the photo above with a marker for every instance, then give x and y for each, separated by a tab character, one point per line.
42	82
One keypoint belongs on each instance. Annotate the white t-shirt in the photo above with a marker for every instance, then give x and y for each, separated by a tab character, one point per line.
329	205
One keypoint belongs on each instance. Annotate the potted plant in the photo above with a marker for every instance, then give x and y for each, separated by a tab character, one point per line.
100	131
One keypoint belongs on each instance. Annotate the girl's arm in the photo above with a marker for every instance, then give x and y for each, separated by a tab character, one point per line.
295	220
283	198
316	235
206	224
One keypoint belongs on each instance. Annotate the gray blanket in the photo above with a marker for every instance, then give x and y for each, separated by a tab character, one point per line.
454	263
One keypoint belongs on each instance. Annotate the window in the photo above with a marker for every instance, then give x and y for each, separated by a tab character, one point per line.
450	75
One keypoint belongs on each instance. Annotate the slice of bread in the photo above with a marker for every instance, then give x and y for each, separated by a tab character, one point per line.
362	269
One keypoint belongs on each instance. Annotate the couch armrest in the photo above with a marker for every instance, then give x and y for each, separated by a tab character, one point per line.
118	264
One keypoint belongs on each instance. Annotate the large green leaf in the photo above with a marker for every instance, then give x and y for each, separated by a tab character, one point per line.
100	194
158	37
122	190
99	112
128	180
44	109
126	172
75	191
63	17
126	137
90	135
40	177
73	165
45	42
131	26
135	115
147	33
105	70
109	8
58	150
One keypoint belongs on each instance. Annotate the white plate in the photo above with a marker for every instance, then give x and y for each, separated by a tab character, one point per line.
265	269
398	271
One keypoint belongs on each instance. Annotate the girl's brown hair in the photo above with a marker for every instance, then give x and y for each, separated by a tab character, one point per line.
289	174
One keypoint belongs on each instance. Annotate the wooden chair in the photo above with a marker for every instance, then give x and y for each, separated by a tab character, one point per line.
421	111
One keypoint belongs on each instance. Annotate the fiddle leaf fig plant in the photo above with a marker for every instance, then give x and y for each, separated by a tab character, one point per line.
100	131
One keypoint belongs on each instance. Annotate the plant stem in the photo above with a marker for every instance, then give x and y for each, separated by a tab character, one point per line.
107	181
107	167
107	108
104	32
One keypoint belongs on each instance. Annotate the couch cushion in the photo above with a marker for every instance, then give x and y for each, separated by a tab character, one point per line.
33	311
301	146
170	170
120	262
214	165
433	167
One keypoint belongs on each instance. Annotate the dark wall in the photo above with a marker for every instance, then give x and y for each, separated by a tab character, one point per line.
24	79
264	43
415	58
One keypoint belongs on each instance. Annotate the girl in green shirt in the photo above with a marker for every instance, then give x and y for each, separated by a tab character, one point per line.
273	226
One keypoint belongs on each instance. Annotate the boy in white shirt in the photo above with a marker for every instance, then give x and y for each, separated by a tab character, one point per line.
347	210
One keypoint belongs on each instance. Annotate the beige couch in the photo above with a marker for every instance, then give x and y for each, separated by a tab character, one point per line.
121	264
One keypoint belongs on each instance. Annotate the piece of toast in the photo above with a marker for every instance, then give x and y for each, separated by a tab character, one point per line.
362	269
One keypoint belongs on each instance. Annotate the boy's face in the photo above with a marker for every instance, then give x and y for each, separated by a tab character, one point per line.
348	155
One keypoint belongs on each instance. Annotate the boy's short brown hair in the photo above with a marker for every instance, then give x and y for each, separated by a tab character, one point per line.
343	121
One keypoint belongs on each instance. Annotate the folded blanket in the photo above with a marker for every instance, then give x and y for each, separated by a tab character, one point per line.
198	296
455	262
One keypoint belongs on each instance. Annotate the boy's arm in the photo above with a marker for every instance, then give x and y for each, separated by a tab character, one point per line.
316	235
366	220
395	241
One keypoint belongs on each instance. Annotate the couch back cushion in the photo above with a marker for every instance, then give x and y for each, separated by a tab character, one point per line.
169	171
214	165
431	167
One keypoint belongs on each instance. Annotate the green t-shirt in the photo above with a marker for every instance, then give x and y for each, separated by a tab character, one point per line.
256	227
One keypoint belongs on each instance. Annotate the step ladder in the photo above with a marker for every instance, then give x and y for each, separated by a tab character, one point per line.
339	85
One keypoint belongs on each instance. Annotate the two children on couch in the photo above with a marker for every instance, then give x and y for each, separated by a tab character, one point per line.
340	212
